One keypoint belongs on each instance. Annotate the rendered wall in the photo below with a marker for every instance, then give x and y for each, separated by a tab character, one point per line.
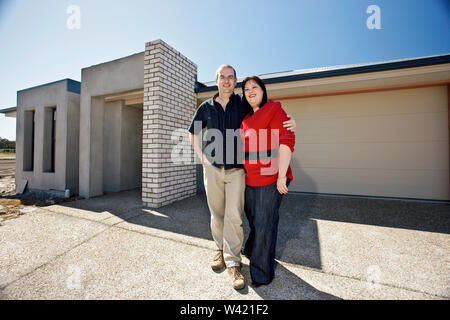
122	149
111	146
131	150
40	99
99	81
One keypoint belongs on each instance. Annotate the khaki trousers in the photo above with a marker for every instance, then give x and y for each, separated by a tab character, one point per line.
225	192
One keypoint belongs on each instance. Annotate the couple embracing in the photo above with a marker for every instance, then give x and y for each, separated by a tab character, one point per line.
252	180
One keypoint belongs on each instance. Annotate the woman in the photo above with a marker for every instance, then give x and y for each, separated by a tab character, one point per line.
268	147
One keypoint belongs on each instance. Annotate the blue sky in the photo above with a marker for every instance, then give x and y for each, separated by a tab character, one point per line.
255	36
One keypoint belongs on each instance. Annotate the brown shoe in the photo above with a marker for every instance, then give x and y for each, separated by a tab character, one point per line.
219	262
237	277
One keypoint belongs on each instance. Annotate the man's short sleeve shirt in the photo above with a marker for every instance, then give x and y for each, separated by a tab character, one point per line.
226	149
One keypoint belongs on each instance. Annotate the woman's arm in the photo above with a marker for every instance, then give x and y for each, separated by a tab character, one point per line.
284	158
286	143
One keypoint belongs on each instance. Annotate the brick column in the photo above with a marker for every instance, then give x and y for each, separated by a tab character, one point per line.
169	104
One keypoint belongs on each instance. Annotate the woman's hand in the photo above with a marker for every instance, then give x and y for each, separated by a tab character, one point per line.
281	185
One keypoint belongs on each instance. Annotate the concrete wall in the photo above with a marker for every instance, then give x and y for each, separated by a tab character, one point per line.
41	99
131	150
127	146
111	146
98	82
122	147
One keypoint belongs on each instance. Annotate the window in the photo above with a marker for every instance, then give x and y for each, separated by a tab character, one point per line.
28	143
48	160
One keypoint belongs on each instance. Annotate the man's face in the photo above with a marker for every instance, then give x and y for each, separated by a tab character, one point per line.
226	80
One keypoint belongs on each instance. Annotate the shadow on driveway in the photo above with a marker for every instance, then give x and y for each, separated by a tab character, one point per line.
298	239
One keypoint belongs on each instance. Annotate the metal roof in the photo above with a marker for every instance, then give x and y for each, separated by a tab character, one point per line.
8	110
72	85
322	72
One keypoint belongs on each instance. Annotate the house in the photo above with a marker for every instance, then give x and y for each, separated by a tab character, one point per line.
374	129
47	130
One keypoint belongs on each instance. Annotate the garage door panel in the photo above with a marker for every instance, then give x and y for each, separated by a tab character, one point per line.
399	127
386	143
410	155
407	101
419	184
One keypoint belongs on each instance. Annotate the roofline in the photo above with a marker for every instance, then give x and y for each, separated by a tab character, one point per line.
114	60
72	85
8	110
347	70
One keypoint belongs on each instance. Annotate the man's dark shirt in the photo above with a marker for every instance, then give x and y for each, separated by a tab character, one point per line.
212	116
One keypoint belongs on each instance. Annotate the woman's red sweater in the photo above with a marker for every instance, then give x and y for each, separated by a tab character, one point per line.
262	131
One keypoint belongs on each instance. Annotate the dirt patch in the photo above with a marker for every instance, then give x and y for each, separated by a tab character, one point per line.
7	156
10	208
13	205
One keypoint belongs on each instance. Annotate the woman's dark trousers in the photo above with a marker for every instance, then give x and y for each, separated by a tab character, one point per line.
261	209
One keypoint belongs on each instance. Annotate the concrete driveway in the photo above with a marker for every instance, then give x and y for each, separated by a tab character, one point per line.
328	248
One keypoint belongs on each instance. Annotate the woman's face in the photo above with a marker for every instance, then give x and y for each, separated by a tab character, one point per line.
253	93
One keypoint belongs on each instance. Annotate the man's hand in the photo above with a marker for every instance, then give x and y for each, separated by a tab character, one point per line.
290	124
205	161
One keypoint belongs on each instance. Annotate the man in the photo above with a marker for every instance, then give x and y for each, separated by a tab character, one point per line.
223	172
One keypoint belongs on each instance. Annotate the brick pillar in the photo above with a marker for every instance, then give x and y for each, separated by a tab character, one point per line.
169	104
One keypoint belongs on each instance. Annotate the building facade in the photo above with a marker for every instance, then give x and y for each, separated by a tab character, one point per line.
47	131
378	130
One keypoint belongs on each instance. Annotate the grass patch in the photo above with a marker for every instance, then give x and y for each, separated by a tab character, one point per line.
10	156
7	153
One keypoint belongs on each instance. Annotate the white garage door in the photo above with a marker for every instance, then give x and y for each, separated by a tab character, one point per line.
388	143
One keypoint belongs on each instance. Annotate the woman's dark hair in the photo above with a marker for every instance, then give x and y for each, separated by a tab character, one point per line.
260	83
